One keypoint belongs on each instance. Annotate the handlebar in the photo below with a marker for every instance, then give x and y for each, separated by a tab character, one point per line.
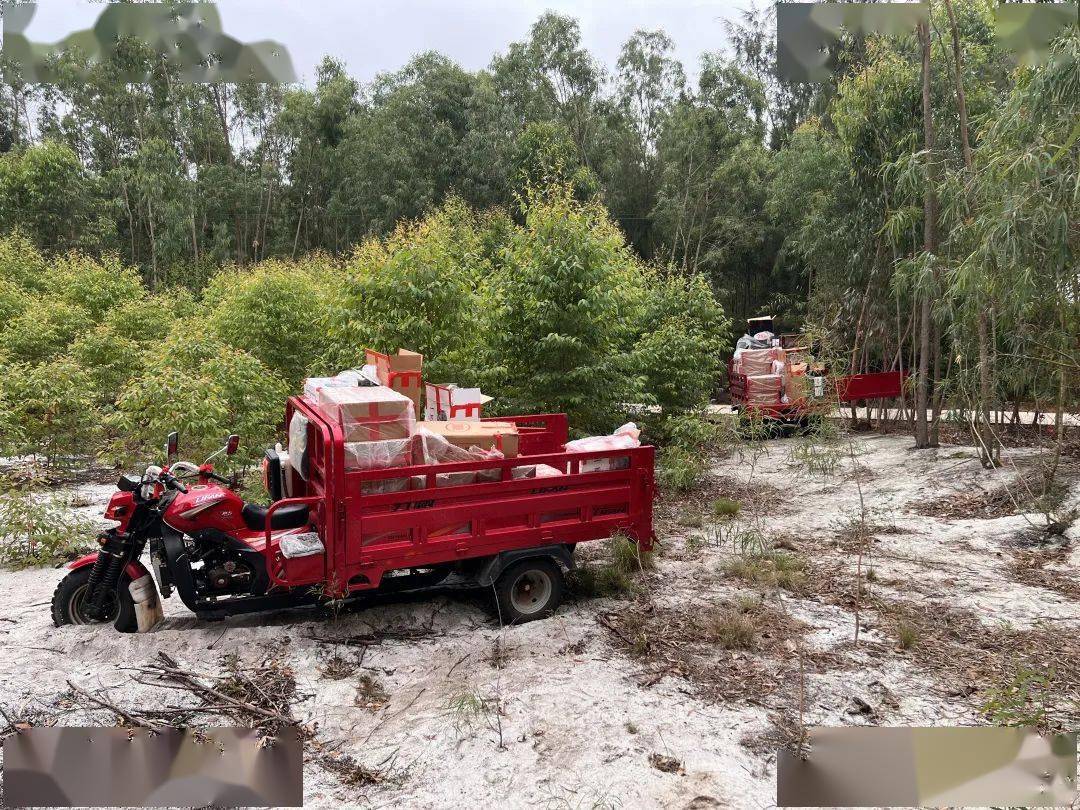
170	480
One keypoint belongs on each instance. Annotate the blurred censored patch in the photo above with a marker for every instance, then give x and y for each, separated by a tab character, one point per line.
110	767
189	35
929	767
1026	29
805	31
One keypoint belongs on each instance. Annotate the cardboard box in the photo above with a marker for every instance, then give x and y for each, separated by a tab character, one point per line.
370	413
401	372
485	435
443	403
764	389
759	362
796	385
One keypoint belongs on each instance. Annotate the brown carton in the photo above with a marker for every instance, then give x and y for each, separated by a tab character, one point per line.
502	436
369	413
400	372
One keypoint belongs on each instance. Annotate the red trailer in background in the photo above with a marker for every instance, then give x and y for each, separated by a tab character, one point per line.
855	388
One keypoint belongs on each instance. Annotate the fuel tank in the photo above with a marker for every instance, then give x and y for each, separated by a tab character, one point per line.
206	506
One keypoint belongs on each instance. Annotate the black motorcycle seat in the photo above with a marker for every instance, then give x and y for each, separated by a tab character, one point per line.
287	517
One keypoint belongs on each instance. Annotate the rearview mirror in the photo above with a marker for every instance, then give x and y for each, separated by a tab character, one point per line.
232	444
172	445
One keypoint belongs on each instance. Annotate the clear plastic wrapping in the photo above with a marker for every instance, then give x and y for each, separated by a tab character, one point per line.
754	362
623	438
432	448
378	455
764	389
369	413
304	544
298	456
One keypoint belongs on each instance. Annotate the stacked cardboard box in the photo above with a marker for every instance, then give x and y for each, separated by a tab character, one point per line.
377	423
401	372
764	389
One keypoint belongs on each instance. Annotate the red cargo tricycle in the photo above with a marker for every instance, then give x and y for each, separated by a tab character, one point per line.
332	533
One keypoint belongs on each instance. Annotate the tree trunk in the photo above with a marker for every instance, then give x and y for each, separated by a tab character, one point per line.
922	391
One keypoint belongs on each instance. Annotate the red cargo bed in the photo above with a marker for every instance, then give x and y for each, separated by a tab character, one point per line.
853	388
367	533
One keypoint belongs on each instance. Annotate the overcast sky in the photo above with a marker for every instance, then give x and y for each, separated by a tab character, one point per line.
371	37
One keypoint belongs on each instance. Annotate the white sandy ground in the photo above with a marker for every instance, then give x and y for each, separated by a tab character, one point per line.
577	729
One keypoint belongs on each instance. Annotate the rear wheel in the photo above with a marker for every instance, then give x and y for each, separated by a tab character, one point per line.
69	603
527	590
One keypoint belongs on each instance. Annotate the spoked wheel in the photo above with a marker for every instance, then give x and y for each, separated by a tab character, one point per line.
69	603
530	589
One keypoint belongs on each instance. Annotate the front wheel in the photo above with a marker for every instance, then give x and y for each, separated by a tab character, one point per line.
70	596
528	590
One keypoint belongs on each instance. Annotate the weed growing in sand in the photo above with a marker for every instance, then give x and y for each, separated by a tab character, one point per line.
907	635
337	668
467	709
39	530
731	627
726	507
618	575
370	694
816	457
1023	701
770	569
692	520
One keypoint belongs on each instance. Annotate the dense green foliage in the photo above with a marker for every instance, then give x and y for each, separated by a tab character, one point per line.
562	234
557	313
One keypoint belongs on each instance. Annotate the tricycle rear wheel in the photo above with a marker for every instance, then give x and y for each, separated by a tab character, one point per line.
528	590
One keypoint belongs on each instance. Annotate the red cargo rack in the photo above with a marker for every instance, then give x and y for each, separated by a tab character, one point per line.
367	533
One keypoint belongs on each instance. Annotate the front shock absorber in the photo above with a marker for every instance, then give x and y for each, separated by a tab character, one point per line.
104	576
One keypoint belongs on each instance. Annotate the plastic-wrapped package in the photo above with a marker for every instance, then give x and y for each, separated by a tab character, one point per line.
443	403
312	385
623	438
378	455
369	413
298	455
433	448
301	545
388	485
535	471
748	342
754	362
763	389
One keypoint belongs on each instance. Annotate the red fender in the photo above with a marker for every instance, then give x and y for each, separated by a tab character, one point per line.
134	569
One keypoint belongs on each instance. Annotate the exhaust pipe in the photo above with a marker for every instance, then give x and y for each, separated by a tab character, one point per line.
147	604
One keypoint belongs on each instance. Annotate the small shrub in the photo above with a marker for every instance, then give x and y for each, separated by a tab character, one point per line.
38	530
1023	701
819	458
680	470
